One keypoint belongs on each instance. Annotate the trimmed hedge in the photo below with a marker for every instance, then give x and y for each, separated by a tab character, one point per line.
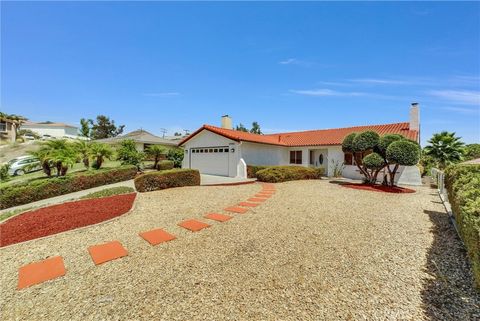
165	164
463	185
253	169
24	193
153	181
277	174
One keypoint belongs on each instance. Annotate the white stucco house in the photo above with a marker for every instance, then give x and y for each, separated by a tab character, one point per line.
57	130
226	152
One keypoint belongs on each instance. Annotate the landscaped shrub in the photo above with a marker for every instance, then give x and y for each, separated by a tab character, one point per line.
176	155
24	193
276	174
153	181
253	169
463	185
165	164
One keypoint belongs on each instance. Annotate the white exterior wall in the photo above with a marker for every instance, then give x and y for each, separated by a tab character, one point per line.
262	154
57	132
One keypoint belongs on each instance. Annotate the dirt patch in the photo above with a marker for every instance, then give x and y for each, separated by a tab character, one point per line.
63	217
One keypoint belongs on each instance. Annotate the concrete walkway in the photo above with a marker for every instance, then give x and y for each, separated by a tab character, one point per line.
67	197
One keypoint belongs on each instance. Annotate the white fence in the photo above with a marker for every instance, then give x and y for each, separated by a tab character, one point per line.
439	177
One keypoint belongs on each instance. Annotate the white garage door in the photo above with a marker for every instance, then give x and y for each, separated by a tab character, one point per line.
210	160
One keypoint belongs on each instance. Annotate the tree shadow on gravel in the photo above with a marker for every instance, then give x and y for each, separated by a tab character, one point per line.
450	293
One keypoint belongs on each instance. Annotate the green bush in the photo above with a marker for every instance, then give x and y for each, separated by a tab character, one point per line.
109	192
373	161
277	174
165	165
403	152
463	185
253	169
176	155
4	176
24	193
365	141
347	144
385	141
153	181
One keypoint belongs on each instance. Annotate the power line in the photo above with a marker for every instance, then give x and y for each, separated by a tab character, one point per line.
163	131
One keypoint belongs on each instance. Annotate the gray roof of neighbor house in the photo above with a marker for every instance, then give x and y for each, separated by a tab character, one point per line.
142	136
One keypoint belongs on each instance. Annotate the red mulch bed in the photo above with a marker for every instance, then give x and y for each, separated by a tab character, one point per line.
63	217
379	188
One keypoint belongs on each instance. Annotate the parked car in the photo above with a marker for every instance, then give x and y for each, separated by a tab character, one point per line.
28	137
23	164
47	137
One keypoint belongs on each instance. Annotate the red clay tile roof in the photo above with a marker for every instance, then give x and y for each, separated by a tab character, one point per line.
333	136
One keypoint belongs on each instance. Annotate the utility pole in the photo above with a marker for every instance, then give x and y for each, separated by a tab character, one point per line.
163	131
187	132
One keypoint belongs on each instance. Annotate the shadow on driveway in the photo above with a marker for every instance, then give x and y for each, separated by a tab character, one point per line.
450	293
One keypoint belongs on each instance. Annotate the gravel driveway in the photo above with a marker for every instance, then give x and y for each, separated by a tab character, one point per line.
313	251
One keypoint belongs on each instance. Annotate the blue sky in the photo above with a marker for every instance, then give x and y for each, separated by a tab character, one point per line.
289	66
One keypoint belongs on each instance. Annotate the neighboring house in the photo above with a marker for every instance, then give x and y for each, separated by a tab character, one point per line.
142	140
51	129
226	152
8	131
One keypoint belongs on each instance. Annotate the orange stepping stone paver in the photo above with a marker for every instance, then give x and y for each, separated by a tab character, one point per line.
256	199
266	193
157	236
248	204
193	225
263	195
107	252
39	272
236	209
218	217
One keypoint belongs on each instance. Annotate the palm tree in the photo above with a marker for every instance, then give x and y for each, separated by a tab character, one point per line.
156	152
83	149
99	152
45	160
445	148
62	154
64	158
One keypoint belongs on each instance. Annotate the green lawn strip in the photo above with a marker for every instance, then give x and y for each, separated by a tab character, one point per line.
6	215
109	192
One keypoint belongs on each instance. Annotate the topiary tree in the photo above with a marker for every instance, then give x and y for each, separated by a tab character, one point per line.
359	144
402	152
375	163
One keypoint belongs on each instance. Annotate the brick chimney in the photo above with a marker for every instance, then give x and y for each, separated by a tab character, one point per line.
227	122
414	117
